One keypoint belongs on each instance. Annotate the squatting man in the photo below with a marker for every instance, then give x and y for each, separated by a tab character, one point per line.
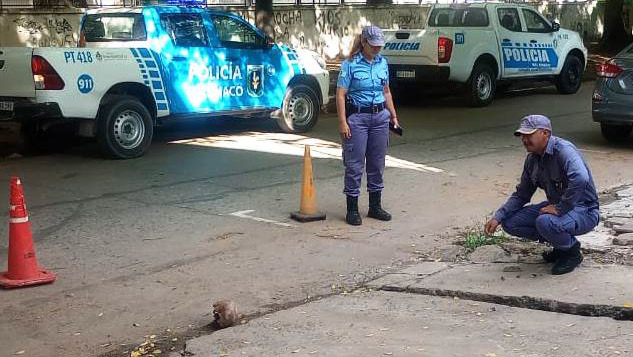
555	166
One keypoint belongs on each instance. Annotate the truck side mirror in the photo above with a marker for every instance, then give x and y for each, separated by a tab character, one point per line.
555	27
269	41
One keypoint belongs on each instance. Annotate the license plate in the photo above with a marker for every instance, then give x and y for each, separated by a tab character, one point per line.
405	74
6	106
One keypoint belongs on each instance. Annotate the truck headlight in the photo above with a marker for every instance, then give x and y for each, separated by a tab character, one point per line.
320	61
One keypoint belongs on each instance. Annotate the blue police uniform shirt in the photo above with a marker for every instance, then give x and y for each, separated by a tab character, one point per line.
364	80
561	172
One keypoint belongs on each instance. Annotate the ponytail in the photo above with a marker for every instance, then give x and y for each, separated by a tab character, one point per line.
357	47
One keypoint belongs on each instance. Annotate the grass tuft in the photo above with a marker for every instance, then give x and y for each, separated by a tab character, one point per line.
476	237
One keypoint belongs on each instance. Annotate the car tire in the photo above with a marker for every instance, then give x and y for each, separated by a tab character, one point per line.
570	77
481	86
124	128
300	110
615	133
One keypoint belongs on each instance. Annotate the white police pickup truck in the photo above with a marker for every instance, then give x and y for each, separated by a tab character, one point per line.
479	45
137	67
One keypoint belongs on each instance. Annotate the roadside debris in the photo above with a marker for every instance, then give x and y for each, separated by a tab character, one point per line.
225	313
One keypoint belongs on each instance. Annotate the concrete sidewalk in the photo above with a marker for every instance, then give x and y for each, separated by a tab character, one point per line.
411	321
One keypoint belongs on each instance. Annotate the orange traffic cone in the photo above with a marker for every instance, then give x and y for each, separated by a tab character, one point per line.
23	268
308	210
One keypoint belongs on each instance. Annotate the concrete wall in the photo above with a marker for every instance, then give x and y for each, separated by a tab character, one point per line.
39	28
329	29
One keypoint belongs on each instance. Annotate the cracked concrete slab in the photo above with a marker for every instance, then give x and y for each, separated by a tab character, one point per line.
590	284
382	323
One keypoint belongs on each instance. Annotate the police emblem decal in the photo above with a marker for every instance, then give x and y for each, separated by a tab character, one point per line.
255	87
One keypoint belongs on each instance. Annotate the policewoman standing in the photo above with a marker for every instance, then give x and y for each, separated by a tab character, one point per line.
365	107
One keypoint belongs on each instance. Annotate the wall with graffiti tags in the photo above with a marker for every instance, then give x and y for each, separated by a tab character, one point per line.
330	30
39	29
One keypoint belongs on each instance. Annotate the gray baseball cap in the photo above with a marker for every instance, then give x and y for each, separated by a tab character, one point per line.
373	35
532	123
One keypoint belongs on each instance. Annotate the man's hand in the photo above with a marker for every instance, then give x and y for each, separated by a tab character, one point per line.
549	209
491	226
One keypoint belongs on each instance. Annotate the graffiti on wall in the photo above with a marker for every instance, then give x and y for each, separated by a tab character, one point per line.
286	24
333	22
55	31
408	18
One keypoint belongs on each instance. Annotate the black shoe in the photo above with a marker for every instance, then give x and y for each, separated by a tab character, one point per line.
568	260
375	209
551	255
353	217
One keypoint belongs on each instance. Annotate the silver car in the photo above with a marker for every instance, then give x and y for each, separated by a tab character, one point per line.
612	100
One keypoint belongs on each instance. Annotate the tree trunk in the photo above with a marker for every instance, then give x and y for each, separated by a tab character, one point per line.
615	35
264	15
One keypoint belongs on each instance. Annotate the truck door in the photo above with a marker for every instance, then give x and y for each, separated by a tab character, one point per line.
512	42
543	43
198	79
262	82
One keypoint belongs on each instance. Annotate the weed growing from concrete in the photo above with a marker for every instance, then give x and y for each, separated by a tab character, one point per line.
475	237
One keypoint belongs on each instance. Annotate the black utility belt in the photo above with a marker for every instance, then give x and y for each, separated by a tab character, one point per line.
370	109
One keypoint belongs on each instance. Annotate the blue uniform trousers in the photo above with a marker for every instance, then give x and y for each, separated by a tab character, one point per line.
368	144
560	232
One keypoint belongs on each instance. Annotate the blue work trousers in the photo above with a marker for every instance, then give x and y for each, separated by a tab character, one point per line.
560	232
368	145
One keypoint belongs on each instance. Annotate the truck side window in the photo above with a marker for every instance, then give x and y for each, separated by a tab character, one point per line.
114	27
535	23
185	30
509	19
233	33
474	17
442	17
451	17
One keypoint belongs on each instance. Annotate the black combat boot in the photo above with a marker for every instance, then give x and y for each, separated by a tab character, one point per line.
551	256
568	260
375	209
353	217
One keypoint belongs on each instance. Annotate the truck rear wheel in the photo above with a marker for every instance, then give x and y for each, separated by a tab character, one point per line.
570	77
124	128
481	86
615	132
300	110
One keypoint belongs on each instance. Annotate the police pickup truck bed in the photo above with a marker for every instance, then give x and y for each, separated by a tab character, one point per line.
137	67
478	45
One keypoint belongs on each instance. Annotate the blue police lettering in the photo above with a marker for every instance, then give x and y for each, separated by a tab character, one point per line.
402	46
526	55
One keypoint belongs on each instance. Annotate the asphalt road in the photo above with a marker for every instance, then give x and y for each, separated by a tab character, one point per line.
145	245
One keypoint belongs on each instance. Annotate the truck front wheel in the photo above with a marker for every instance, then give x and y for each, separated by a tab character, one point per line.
124	128
570	78
481	86
300	110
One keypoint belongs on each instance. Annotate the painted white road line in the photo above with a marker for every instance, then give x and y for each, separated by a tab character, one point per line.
244	214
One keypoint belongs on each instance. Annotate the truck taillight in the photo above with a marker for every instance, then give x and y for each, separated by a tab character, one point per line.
44	75
608	70
82	40
444	49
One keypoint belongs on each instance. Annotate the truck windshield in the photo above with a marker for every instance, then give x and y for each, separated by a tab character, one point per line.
114	27
459	17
